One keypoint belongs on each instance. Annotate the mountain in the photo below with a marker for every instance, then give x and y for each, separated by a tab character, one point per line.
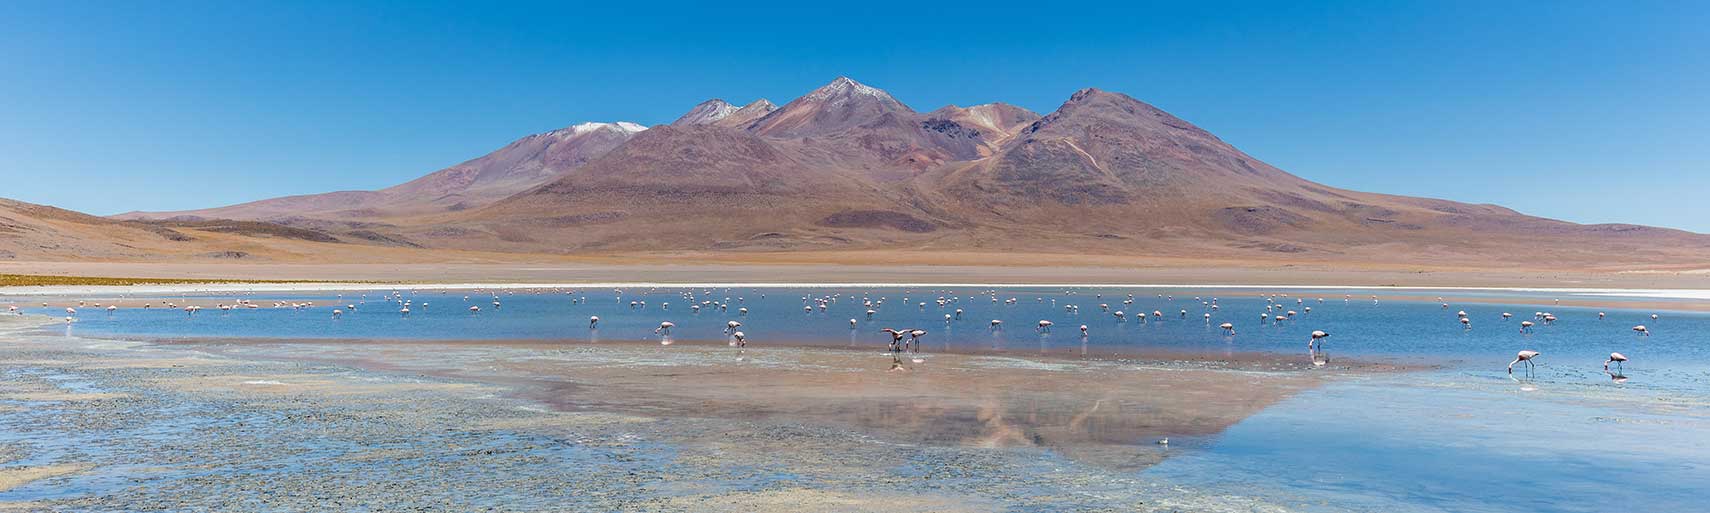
996	122
525	163
708	112
848	166
687	184
841	105
717	112
747	115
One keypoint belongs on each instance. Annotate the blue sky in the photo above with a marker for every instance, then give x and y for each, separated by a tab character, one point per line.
1586	111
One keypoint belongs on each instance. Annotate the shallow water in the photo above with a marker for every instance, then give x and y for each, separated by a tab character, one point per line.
1408	330
1445	441
1463	436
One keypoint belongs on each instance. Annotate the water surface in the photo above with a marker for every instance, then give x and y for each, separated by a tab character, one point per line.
1463	435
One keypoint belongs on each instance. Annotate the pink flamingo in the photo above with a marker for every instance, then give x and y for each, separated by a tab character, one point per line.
1617	359
896	337
1523	356
1315	340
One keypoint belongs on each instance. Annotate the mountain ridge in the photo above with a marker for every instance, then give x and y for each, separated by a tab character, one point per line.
849	166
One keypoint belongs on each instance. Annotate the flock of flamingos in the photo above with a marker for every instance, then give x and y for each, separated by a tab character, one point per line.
908	339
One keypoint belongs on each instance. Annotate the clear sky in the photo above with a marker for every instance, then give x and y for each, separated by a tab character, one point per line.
1585	111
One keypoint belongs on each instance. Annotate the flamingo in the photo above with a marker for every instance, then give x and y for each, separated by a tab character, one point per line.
741	339
593	321
1525	326
1044	325
1228	327
731	326
1083	330
474	309
336	313
1617	359
70	312
405	311
664	327
852	323
1466	323
914	339
896	337
997	324
1642	330
1523	356
1316	337
1506	315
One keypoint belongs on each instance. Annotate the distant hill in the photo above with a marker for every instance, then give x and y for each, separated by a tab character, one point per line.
848	166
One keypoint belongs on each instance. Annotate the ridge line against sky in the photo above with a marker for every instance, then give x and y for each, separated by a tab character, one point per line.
1578	111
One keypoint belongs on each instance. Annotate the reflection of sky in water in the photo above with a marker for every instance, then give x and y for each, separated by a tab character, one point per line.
1443	441
1464	438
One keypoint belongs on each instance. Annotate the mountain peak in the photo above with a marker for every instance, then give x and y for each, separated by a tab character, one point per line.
1086	93
834	107
706	112
1092	105
845	86
621	127
746	115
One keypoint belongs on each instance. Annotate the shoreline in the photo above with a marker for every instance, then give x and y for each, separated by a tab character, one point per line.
207	295
926	268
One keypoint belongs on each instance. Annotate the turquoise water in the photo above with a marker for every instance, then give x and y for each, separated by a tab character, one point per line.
1462	436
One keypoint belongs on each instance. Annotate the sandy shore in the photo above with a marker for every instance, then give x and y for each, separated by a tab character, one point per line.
892	267
277	425
212	295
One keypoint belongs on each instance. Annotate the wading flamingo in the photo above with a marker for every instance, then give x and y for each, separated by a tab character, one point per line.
1317	336
896	338
1523	356
1617	359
